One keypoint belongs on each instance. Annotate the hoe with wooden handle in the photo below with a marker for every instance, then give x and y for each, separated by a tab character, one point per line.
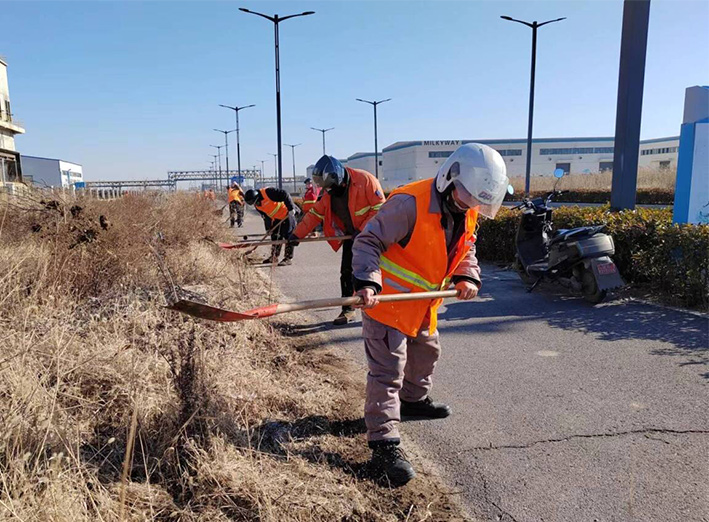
204	311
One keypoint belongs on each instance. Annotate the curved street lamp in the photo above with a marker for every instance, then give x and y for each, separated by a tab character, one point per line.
376	150
275	20
323	136
534	26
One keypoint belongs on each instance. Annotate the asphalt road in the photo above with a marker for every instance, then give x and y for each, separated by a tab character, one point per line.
562	411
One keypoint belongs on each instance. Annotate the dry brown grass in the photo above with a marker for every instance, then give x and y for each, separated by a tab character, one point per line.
113	408
648	178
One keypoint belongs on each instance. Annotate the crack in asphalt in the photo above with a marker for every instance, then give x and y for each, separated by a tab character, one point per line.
501	512
589	436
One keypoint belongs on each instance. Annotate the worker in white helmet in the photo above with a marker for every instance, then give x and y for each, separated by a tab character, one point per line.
422	239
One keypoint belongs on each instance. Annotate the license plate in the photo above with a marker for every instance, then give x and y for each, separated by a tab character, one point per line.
607	268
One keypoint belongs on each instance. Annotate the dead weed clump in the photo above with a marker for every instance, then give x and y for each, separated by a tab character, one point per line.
114	408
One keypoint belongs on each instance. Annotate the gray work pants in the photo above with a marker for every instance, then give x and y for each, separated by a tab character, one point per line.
400	367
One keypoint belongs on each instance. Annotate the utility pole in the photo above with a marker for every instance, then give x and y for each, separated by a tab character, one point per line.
275	19
238	148
219	158
534	26
376	148
292	148
323	137
226	148
276	169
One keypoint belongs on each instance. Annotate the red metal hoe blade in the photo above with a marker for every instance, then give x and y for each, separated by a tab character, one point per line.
204	311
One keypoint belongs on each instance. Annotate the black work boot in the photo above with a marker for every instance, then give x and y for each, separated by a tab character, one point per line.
389	464
425	408
275	253
287	257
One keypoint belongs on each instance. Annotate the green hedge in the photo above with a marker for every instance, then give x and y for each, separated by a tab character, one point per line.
643	197
670	260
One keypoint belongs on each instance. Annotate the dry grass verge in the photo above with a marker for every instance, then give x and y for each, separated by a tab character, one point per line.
648	179
114	408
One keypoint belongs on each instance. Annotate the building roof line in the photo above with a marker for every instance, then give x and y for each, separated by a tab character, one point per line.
50	159
516	141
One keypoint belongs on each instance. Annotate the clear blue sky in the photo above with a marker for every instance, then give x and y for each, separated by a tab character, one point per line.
131	89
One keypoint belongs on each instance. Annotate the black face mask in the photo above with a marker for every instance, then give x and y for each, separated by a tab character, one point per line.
337	190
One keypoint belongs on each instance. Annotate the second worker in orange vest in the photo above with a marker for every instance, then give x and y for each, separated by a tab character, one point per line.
350	198
276	208
236	204
423	239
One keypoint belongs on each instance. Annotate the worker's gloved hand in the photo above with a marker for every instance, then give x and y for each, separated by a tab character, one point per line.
369	297
293	240
466	290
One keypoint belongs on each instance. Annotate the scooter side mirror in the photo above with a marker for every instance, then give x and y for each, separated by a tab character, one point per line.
510	190
559	173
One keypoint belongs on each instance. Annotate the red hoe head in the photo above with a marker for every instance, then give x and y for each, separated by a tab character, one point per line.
203	311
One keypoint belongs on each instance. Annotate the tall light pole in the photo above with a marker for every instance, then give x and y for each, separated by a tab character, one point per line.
262	167
275	19
323	137
292	148
226	149
534	26
276	168
219	158
376	148
238	149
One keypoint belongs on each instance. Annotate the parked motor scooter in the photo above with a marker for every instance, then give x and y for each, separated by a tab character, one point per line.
578	258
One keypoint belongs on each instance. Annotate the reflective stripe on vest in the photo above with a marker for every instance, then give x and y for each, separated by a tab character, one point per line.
407	275
274	210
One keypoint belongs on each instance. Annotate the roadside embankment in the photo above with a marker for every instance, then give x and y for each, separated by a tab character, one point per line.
114	408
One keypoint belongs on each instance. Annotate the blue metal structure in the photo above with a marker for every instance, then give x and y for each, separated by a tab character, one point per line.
631	78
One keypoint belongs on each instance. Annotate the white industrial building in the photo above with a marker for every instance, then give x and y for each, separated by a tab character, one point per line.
406	161
10	167
49	172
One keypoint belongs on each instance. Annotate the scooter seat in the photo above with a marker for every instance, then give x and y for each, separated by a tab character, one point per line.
576	233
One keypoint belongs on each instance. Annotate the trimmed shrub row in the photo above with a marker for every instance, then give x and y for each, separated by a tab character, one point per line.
644	196
670	260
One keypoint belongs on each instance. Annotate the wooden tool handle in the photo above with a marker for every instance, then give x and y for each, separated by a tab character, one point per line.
247	244
355	300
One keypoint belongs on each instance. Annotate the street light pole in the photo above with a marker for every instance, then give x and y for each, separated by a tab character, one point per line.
277	168
238	148
323	137
275	19
534	26
226	149
262	167
219	158
292	148
376	148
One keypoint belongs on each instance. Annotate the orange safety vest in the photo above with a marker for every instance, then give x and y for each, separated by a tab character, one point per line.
276	210
365	197
235	195
421	266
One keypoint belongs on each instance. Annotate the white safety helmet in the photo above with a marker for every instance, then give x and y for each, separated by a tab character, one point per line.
479	174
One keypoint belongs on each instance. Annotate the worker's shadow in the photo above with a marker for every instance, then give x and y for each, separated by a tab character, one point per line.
289	438
302	330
